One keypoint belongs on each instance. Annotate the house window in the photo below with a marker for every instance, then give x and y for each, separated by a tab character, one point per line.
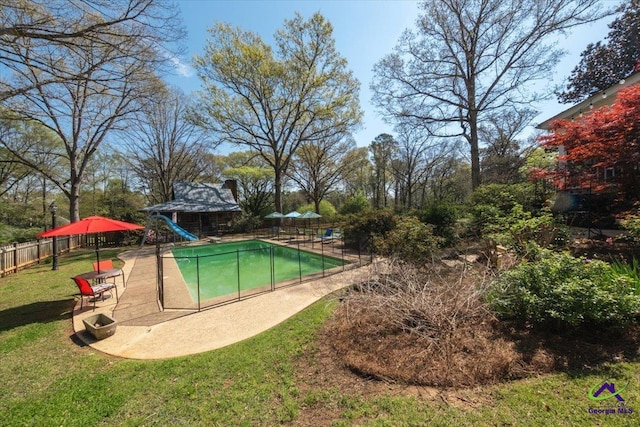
609	173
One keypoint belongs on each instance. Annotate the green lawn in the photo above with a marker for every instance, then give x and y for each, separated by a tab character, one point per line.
48	379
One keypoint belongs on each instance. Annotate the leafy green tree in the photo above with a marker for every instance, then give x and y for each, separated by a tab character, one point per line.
122	203
357	179
604	64
470	58
44	151
255	182
274	102
447	181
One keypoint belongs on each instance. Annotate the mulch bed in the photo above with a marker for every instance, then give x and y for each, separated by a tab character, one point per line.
480	352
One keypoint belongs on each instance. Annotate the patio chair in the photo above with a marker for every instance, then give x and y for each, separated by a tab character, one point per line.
103	265
95	291
106	267
327	234
333	235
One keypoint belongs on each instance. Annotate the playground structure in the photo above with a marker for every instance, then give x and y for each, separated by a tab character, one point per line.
175	228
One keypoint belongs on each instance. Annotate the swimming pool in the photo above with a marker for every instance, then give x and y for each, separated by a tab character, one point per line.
231	268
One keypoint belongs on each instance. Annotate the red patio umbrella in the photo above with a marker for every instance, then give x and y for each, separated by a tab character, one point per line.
91	225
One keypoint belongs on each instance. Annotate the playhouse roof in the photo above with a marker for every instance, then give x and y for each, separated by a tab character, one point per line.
198	197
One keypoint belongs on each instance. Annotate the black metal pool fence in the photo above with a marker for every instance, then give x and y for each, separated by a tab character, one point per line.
174	294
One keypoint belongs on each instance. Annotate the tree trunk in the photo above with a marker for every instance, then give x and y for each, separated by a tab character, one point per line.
74	202
475	152
278	190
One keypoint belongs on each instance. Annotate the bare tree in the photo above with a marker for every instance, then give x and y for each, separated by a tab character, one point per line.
84	88
470	58
503	155
162	147
356	180
55	28
417	152
274	103
11	170
382	149
319	167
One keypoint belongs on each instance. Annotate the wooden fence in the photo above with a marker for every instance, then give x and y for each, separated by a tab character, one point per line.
21	255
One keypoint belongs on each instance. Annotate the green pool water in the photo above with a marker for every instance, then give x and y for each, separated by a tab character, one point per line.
255	262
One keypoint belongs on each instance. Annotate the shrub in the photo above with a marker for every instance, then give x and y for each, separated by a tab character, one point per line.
246	223
501	196
443	217
517	228
506	196
327	210
630	271
492	204
355	204
521	227
558	289
410	240
631	226
360	229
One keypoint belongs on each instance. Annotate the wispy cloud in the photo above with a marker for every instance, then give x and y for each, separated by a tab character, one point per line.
182	68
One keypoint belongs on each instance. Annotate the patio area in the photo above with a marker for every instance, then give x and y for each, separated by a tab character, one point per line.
145	332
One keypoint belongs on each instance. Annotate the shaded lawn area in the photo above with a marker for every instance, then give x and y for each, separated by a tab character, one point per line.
278	377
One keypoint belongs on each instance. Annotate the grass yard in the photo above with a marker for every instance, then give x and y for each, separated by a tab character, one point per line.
280	377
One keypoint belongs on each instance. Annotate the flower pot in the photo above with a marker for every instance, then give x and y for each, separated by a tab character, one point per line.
100	325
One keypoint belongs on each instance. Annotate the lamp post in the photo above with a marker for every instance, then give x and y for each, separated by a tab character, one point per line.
53	208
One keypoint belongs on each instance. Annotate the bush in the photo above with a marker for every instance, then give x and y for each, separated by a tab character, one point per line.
9	234
360	229
520	228
410	240
355	204
516	228
501	196
246	223
443	217
558	289
506	196
492	204
631	226
327	210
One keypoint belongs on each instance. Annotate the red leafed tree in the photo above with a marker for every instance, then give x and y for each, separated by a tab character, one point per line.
605	139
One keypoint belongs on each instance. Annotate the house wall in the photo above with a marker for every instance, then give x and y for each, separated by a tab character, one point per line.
204	224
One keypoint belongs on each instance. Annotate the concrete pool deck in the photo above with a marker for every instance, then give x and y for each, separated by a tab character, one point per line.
146	332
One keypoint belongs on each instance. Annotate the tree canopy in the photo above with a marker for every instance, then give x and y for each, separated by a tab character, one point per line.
274	101
604	64
608	138
470	58
79	69
40	29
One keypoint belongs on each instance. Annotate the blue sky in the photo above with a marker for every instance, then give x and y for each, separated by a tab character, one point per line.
364	31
